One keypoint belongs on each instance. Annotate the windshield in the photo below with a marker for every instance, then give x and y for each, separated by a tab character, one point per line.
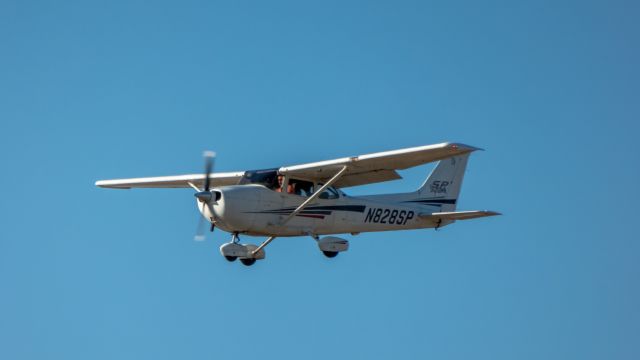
266	177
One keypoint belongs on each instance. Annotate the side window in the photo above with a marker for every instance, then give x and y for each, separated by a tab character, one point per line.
329	193
301	187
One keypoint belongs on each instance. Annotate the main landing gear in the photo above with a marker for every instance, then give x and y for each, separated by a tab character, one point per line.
247	253
331	246
330	254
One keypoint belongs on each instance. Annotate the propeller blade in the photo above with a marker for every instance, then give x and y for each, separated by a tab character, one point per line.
209	157
200	230
213	226
204	196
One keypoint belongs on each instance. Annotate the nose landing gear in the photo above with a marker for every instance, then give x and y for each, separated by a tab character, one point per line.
247	253
248	261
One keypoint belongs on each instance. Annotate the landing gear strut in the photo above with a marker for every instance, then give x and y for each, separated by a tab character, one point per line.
247	253
234	240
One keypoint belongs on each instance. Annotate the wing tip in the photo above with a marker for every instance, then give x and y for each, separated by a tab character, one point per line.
107	184
463	147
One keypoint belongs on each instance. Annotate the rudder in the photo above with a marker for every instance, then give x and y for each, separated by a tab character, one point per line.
442	186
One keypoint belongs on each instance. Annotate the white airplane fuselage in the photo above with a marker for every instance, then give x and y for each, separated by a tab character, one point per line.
306	200
258	211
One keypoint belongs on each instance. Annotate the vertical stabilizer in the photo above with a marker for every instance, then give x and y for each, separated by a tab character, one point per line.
442	187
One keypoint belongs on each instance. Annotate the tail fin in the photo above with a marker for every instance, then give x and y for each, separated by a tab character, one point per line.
442	187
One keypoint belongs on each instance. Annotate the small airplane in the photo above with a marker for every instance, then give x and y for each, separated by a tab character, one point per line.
307	200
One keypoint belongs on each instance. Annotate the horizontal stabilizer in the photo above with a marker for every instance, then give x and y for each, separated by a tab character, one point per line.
459	215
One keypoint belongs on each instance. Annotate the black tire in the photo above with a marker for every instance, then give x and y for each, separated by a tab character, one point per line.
248	262
330	254
231	258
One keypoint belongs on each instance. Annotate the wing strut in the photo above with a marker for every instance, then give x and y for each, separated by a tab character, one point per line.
265	243
303	205
315	195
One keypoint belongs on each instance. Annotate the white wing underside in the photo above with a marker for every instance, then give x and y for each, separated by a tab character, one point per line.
177	181
376	167
361	170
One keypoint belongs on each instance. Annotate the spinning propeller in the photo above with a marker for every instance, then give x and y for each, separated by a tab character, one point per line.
205	195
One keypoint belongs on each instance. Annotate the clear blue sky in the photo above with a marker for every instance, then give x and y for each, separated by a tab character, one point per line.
97	90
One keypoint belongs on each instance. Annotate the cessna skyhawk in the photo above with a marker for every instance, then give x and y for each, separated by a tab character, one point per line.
307	200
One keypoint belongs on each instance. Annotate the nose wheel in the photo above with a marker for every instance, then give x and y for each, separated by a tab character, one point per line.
248	261
247	253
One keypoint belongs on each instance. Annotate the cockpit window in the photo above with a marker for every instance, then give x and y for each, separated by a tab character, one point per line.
267	177
301	187
329	193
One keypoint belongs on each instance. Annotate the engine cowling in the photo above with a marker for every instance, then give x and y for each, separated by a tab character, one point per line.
234	206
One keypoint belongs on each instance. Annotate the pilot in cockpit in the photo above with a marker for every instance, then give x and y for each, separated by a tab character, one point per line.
291	187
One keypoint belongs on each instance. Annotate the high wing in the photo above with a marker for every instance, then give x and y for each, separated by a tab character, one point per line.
376	167
360	170
178	181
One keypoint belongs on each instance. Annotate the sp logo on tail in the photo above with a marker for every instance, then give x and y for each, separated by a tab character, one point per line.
439	187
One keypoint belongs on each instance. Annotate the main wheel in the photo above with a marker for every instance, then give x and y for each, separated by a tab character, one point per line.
330	254
230	258
248	261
